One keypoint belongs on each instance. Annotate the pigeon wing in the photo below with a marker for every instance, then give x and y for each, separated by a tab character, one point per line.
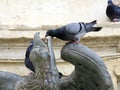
73	28
117	10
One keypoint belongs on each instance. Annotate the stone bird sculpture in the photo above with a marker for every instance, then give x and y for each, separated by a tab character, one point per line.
28	62
11	81
90	72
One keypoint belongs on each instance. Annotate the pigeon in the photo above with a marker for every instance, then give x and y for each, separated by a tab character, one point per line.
73	32
28	63
113	11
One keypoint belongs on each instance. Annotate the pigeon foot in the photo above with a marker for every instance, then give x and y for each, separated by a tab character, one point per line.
116	20
30	73
74	42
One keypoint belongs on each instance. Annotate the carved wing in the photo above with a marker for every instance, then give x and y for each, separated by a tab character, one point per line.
8	80
117	9
90	71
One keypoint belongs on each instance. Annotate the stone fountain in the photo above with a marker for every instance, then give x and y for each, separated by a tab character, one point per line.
90	72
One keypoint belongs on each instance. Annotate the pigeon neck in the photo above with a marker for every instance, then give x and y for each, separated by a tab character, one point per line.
82	25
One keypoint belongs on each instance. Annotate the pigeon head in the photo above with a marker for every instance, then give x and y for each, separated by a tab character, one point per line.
50	33
31	43
110	2
89	26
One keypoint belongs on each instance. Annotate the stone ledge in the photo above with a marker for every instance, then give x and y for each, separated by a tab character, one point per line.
108	24
7	34
104	57
19	31
46	27
117	71
27	28
111	56
102	45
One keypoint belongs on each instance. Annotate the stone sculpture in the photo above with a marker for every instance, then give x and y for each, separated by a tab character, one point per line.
90	71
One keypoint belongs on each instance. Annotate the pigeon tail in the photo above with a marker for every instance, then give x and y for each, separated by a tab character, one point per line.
95	29
89	25
94	22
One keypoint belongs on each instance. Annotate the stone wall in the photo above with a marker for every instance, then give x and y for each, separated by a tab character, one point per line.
20	19
50	12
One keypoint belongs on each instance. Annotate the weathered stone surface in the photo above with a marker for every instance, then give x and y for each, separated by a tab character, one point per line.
117	71
46	76
45	12
90	71
8	80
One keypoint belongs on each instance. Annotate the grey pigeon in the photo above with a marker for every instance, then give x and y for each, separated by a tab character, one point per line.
33	43
28	63
73	32
113	11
